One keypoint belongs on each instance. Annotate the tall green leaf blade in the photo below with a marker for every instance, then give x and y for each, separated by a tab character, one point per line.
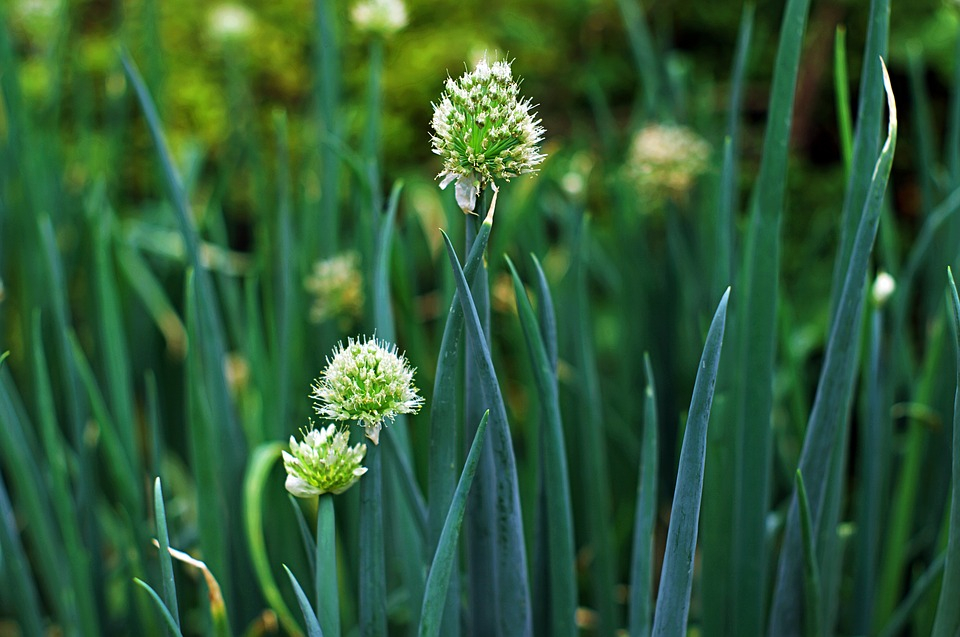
166	562
676	576
512	592
719	491
204	446
645	60
866	140
442	476
445	557
827	426
813	615
258	471
591	441
755	336
728	204
222	441
645	523
405	524
947	622
313	625
20	583
119	464
172	622
482	532
119	389
922	120
327	104
555	475
546	316
874	433
842	93
56	455
372	599
325	575
918	590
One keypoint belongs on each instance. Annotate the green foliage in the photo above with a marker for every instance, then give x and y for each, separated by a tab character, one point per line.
171	172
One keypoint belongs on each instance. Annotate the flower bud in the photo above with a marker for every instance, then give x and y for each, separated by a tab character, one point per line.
323	463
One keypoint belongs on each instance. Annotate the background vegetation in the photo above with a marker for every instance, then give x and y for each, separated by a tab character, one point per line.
157	323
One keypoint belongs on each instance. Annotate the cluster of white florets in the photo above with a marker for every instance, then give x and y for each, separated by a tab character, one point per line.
323	463
483	131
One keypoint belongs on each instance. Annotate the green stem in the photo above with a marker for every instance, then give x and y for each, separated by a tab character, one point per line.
325	576
373	592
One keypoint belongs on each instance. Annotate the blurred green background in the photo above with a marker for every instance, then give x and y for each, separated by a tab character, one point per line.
79	160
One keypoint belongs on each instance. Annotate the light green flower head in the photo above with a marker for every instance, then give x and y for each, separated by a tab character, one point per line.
337	288
366	381
483	131
379	17
323	463
665	161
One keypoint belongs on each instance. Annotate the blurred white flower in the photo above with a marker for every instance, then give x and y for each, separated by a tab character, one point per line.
665	160
337	288
379	17
230	22
883	288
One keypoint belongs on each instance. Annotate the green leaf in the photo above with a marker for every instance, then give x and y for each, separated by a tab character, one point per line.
383	313
172	623
918	590
442	460
676	576
309	545
373	592
511	592
19	581
591	439
445	558
947	622
57	457
325	576
828	419
813	616
754	338
313	625
166	563
842	93
258	471
555	476
645	523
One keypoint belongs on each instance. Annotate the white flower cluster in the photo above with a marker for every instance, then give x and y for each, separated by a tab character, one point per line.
665	160
230	22
366	381
379	17
483	131
323	463
337	288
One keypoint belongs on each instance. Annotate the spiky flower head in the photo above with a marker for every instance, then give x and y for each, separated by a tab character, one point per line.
484	131
323	463
665	160
379	17
337	288
366	381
